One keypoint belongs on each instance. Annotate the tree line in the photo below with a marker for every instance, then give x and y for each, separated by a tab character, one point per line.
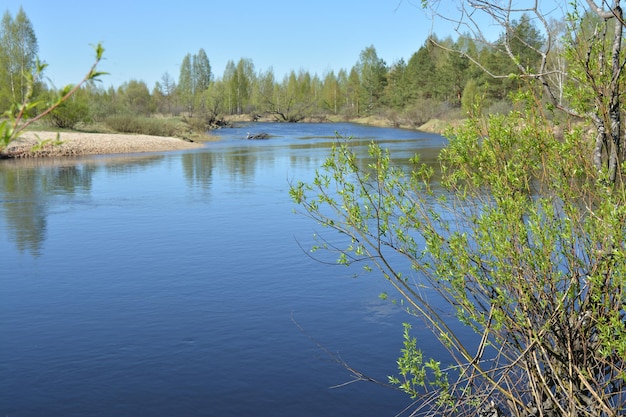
435	82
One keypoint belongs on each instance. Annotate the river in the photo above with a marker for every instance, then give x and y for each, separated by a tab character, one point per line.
179	284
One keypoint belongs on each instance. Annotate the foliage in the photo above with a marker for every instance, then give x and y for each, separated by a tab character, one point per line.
135	98
578	60
142	125
437	73
17	118
164	92
372	72
18	56
71	112
519	238
595	67
239	80
195	77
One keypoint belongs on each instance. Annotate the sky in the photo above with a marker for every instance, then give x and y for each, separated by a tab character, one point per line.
145	39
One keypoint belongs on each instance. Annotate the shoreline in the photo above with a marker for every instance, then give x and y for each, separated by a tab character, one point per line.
85	143
82	143
437	126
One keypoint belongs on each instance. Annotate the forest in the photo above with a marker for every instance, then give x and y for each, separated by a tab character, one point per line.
437	81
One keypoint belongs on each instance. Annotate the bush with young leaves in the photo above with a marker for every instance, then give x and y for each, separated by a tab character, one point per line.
520	237
70	113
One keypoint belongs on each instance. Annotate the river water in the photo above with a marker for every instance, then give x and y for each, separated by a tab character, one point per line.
179	284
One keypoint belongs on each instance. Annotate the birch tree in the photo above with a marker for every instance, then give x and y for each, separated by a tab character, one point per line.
18	56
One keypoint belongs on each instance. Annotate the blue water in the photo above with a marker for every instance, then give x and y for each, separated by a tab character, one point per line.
178	284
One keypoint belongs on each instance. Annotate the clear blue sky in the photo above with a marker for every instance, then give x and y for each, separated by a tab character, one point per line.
145	39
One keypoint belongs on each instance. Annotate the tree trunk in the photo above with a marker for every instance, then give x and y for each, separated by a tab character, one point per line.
614	109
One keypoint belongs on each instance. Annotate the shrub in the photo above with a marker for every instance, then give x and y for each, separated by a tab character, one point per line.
69	114
142	125
519	237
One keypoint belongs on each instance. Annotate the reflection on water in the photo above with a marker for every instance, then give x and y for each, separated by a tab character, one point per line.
28	188
164	284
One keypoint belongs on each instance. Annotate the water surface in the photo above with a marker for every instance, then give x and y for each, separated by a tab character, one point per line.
176	284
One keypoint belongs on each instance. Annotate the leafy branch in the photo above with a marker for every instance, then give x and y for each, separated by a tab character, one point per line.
17	118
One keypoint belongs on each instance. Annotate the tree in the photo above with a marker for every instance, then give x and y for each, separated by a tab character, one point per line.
136	97
185	84
396	93
194	79
296	96
201	72
372	71
265	97
214	103
239	81
353	90
165	91
595	61
454	69
420	72
332	97
72	111
18	56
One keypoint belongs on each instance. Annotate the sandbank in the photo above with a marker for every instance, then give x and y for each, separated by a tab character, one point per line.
80	143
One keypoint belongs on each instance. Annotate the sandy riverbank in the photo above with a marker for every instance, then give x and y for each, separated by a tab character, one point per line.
79	143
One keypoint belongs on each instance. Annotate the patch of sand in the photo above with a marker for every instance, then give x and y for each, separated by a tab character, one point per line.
79	143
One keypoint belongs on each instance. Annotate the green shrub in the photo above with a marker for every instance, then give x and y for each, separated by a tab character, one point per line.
142	125
69	114
516	236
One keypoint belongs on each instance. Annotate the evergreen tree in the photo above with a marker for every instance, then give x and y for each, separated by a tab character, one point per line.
353	91
372	72
396	92
455	70
420	73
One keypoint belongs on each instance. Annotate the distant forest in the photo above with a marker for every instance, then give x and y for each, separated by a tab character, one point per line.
438	81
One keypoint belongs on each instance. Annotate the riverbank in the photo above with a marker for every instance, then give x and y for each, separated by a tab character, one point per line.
81	143
438	126
85	143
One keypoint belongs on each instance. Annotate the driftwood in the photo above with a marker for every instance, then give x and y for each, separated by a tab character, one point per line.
257	136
